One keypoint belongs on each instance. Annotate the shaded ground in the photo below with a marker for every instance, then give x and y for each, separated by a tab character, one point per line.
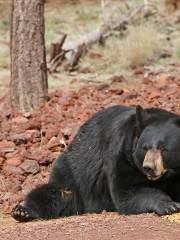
90	227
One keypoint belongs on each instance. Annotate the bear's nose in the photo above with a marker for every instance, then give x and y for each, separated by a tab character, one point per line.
148	170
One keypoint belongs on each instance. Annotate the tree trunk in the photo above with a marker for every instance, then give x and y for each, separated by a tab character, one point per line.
28	86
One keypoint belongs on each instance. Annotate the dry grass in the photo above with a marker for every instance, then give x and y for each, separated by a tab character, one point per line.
4	8
4	57
173	218
177	49
140	46
137	48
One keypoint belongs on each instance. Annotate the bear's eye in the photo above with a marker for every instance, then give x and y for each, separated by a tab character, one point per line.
164	150
145	147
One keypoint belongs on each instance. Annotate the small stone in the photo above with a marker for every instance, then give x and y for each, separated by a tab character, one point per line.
163	79
94	54
1	161
19	139
14	161
9	169
146	81
102	86
6	144
51	132
19	120
117	78
154	94
33	124
117	91
14	154
86	69
32	134
139	71
27	114
30	166
15	187
6	149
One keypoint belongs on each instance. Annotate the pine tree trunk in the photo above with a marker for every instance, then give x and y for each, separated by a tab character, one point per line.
28	86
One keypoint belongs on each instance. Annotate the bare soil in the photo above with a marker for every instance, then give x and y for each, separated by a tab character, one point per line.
103	226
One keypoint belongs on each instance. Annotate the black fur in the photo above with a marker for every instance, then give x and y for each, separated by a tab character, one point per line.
102	168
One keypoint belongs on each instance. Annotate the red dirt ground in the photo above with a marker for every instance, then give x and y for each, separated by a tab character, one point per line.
90	227
29	144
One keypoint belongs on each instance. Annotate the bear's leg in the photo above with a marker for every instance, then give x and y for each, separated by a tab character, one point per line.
46	202
42	202
134	199
137	200
174	188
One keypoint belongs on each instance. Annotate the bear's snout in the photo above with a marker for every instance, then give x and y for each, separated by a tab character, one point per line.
153	166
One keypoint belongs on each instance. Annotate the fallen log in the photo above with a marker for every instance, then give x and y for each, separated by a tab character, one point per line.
68	54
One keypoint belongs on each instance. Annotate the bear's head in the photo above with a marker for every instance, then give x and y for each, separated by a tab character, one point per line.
157	148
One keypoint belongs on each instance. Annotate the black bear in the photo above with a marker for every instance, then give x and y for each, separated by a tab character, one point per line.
122	159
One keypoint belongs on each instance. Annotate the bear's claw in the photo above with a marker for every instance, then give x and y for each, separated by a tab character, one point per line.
21	214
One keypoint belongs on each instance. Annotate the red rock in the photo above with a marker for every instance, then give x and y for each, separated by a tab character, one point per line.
27	114
43	157
154	94
147	81
6	144
6	147
13	184
126	91
33	135
19	139
19	120
30	166
117	91
86	69
4	150
1	161
102	86
139	71
163	79
94	54
33	124
51	132
14	161
117	78
12	154
9	169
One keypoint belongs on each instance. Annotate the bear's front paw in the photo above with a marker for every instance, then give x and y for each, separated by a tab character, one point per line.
21	214
167	207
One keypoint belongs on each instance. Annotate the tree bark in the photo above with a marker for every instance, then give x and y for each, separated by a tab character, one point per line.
28	85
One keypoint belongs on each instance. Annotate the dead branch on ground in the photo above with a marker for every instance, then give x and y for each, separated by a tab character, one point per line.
69	54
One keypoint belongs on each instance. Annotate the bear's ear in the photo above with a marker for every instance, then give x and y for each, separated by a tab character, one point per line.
142	116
